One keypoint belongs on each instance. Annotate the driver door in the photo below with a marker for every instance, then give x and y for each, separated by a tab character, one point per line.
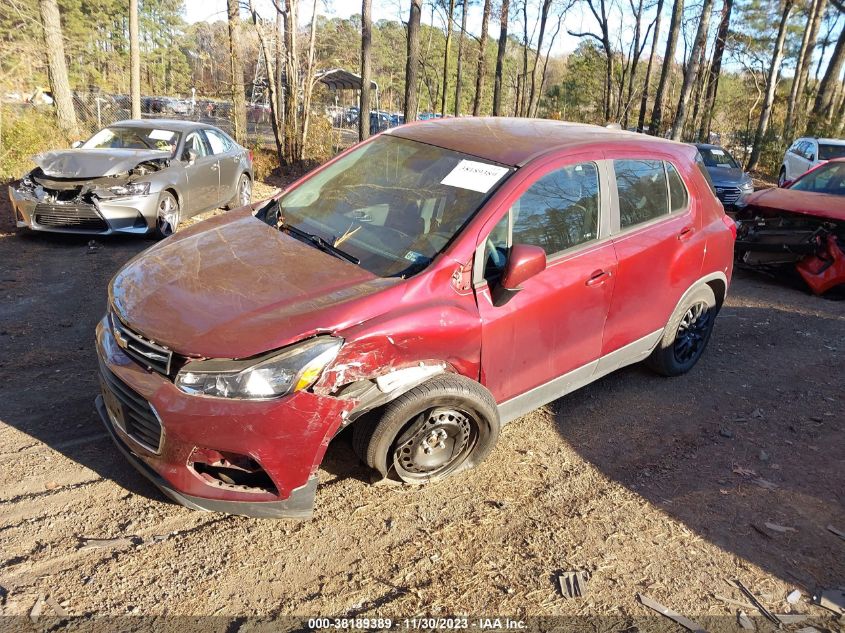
547	337
203	175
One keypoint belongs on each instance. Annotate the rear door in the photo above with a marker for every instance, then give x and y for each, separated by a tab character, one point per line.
553	326
228	160
659	247
202	174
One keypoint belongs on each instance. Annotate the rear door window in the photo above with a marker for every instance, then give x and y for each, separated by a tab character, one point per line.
643	191
219	144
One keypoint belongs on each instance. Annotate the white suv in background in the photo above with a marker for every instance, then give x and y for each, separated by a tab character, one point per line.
806	153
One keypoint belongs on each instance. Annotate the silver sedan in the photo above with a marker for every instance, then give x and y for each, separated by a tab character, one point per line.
140	176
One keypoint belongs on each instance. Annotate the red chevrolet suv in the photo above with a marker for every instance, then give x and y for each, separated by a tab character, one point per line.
425	287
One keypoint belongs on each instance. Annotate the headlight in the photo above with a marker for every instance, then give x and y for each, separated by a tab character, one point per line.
287	371
130	189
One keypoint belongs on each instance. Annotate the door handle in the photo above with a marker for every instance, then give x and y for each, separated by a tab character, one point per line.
215	167
599	277
686	233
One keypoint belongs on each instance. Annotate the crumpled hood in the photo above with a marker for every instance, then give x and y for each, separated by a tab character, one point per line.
822	205
93	163
234	287
727	176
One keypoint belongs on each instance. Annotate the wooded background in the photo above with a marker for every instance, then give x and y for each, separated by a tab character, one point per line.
754	74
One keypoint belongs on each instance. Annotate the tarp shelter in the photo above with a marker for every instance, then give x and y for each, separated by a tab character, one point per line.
339	79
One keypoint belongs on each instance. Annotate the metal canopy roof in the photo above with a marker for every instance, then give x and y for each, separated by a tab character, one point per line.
339	79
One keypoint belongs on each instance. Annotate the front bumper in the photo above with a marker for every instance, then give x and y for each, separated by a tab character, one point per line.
131	215
286	438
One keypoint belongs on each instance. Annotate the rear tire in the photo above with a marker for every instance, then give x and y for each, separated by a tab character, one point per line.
441	427
686	335
243	193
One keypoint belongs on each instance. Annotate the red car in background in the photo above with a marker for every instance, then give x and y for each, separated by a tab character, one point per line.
424	287
801	224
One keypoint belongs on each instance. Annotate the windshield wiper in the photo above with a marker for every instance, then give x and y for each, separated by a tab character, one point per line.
319	242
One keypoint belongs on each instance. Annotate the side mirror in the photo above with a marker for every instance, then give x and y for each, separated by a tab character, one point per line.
191	155
76	144
524	261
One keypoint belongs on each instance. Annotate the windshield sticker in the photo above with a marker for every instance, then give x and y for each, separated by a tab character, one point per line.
415	257
161	135
717	152
469	174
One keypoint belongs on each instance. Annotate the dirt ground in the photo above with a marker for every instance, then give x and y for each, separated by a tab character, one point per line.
666	487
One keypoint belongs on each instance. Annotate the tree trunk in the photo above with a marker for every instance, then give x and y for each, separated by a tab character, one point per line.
134	61
546	62
771	86
272	86
692	70
794	91
803	77
460	74
500	58
481	67
308	88
644	99
823	108
280	71
668	62
366	45
534	94
715	72
57	68
449	19
292	83
413	62
238	115
635	60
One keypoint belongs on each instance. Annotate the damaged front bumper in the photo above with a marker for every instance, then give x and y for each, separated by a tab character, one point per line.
38	210
253	458
815	247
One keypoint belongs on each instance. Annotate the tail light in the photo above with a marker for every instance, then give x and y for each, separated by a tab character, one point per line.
730	223
249	153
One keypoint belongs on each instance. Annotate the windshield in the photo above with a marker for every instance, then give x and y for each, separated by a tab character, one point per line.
829	152
829	178
134	138
717	157
393	204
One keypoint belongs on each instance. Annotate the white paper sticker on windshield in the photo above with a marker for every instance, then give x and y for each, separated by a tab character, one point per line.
717	152
161	135
469	174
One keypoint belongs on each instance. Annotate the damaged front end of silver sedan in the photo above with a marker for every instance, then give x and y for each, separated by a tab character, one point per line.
91	194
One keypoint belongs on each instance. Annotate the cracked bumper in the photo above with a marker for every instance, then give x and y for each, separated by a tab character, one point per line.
132	215
286	437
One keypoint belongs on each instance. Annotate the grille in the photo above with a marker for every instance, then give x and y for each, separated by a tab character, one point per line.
66	216
136	416
144	351
728	195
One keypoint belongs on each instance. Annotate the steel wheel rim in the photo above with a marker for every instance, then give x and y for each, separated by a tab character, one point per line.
436	443
245	191
692	332
168	215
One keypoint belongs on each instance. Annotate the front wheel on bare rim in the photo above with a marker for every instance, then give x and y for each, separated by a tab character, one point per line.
444	426
686	335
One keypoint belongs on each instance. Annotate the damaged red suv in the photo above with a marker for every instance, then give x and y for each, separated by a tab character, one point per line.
424	287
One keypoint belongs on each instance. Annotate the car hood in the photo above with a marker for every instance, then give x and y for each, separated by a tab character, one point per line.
93	163
727	176
821	205
234	287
